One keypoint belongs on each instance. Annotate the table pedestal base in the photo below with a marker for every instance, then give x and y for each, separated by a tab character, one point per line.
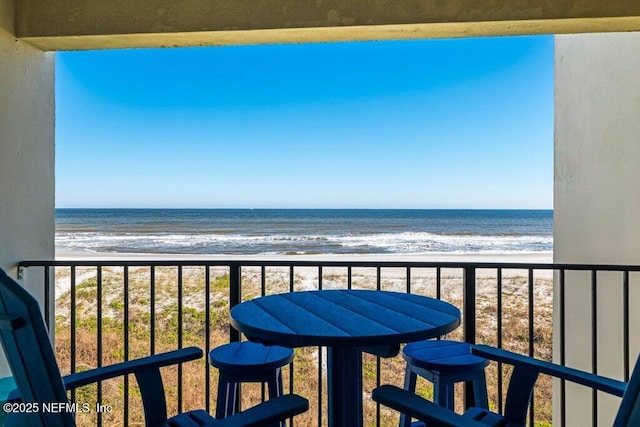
344	377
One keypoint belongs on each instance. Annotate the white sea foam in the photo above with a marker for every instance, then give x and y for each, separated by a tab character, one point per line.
406	242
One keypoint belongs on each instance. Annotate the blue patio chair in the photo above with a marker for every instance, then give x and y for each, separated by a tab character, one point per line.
31	358
523	378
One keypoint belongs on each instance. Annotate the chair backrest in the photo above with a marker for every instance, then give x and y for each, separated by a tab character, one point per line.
629	412
30	355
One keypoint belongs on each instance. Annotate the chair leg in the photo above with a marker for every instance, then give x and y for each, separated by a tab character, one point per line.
480	391
276	388
443	392
227	397
275	384
410	385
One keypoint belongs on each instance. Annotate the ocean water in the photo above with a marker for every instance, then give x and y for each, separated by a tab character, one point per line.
303	231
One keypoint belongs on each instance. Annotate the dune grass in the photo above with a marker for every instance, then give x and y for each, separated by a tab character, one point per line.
514	321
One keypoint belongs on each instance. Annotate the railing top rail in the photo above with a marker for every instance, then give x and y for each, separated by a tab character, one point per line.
326	263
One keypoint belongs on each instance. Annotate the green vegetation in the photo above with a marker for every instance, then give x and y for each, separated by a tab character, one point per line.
306	377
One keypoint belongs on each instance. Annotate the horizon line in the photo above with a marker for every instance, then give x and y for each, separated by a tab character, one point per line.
300	208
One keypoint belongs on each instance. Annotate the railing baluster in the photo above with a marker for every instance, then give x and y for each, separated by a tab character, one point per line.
263	292
152	309
207	333
499	337
530	312
531	342
563	351
625	323
180	338
469	319
291	278
378	364
234	295
99	325
438	289
594	342
469	304
319	360
125	328
319	386
378	373
73	319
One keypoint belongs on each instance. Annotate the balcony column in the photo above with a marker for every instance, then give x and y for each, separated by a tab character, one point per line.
597	206
26	152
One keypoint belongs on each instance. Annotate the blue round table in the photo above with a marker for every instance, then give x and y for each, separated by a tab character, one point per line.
347	322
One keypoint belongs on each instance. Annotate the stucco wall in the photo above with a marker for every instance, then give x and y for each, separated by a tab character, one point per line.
26	153
26	149
597	200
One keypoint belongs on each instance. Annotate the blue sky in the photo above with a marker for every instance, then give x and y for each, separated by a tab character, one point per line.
463	123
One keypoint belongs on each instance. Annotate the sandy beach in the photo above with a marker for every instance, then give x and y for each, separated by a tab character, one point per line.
307	277
279	278
529	258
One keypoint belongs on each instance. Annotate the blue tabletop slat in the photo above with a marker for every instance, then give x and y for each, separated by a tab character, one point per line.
336	312
406	306
250	309
381	319
297	318
422	301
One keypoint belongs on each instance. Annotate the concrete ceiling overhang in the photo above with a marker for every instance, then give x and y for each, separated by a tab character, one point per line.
100	24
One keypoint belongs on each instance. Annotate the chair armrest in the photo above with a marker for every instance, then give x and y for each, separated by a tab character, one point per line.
157	361
14	396
411	404
270	412
597	382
